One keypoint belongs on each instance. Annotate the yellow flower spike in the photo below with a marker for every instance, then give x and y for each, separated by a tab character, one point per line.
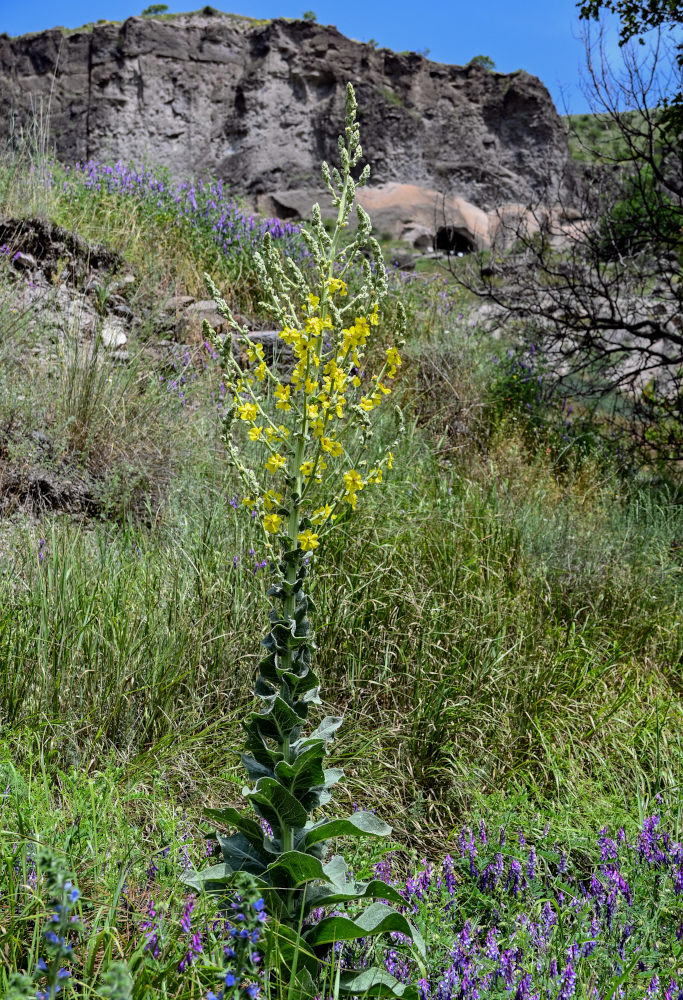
321	514
308	540
306	468
275	462
248	412
272	522
255	433
282	394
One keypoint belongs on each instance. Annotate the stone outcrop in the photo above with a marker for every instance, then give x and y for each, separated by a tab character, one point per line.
259	104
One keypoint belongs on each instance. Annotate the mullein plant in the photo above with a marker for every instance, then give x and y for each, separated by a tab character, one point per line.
308	425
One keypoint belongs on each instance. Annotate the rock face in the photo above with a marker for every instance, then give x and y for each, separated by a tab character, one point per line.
260	104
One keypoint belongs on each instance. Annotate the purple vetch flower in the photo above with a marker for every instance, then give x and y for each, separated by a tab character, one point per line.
568	982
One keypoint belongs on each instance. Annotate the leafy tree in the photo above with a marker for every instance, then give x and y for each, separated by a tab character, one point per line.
590	276
309	15
486	62
155	8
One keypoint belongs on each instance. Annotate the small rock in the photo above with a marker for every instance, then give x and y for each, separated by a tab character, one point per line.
177	303
25	261
112	334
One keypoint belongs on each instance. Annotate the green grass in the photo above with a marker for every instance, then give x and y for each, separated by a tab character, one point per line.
501	625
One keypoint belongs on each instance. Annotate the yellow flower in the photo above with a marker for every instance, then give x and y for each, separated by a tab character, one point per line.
255	352
248	411
321	514
375	476
353	481
275	462
315	325
282	394
390	460
311	411
255	432
249	503
318	427
271	499
308	540
313	301
374	318
311	387
272	522
355	381
260	371
352	499
393	360
336	285
366	404
289	335
334	447
307	468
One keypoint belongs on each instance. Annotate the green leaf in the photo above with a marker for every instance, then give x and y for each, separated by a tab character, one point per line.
377	919
278	722
375	982
327	728
305	772
240	855
337	870
246	826
218	877
359	824
277	806
294	868
325	896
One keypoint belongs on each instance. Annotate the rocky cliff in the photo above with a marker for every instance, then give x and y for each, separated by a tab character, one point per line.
259	104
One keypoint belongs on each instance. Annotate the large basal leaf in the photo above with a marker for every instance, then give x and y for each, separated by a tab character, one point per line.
375	982
324	895
359	824
376	919
277	806
217	878
249	828
240	855
294	869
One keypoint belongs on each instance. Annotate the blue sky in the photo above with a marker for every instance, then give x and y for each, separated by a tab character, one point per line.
536	35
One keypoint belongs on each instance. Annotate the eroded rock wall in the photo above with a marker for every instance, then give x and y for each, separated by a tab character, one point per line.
259	105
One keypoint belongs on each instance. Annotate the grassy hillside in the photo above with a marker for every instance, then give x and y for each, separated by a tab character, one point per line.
500	626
